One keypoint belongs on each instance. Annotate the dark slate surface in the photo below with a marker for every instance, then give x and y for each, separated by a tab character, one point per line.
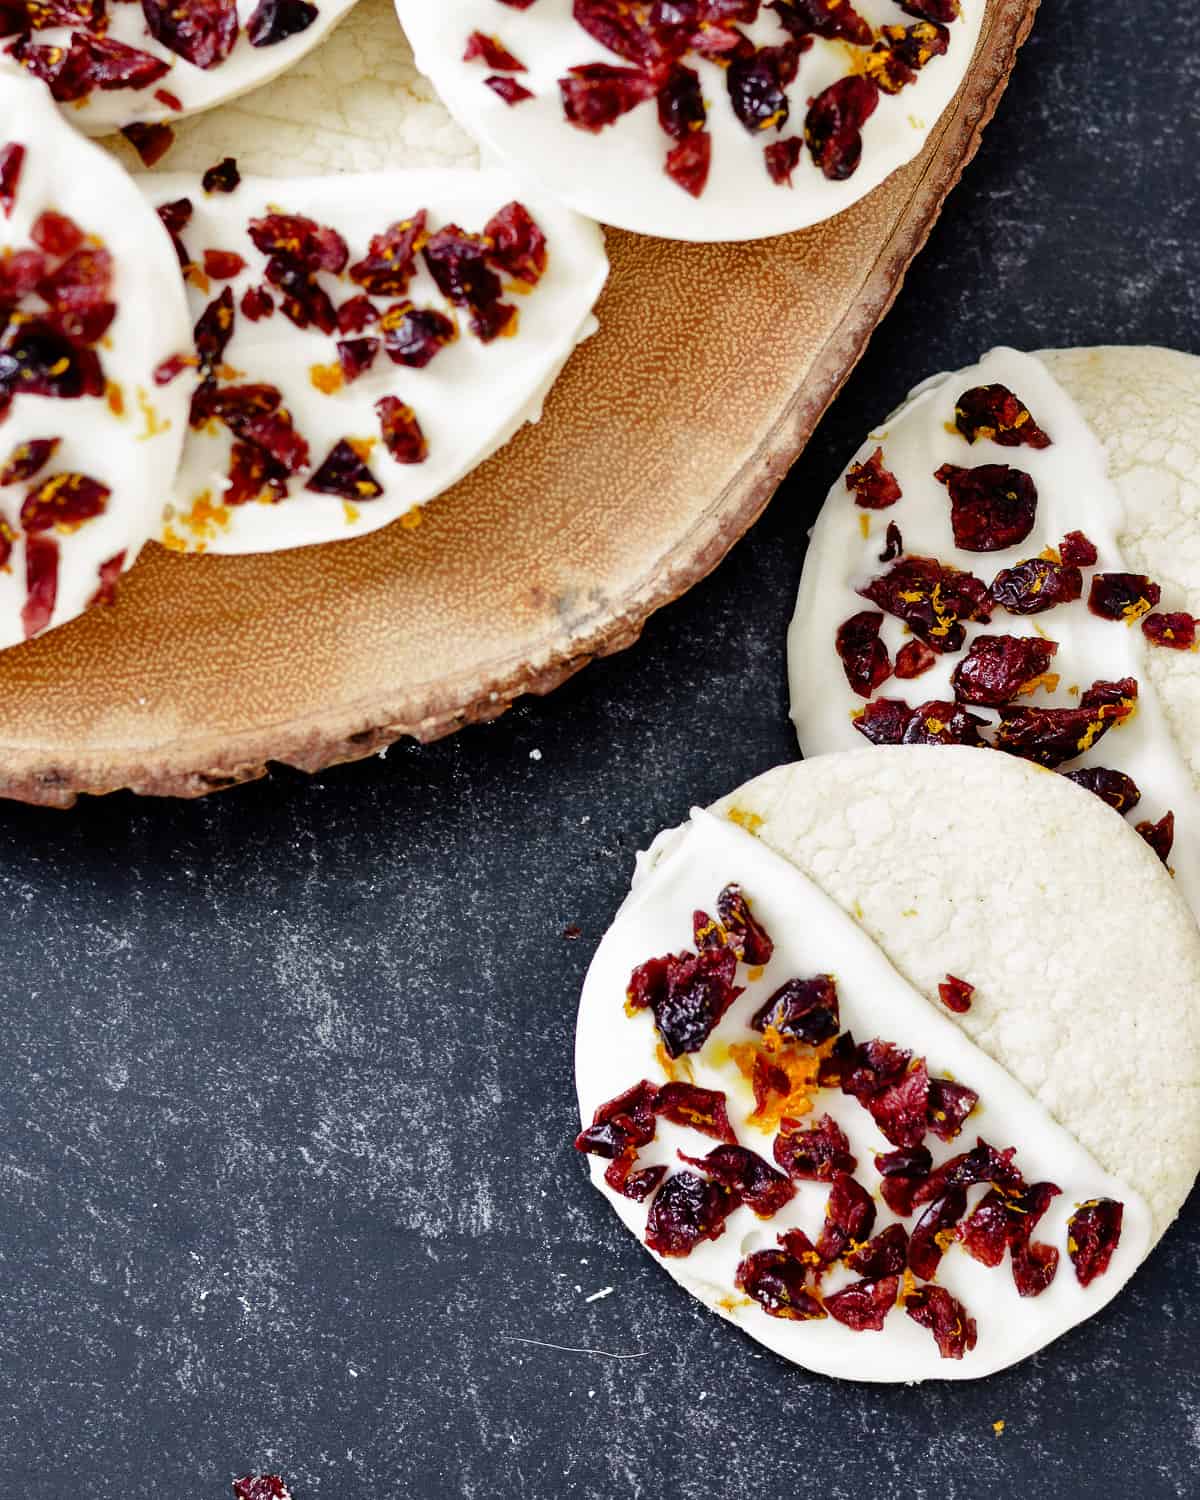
287	1074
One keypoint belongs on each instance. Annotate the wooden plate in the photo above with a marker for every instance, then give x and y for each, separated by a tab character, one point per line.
661	444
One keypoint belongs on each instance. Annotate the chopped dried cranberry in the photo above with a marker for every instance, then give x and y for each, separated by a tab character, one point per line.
985	1234
913	659
625	1120
613	25
223	265
41	584
1035	585
1177	631
885	1255
893	543
412	336
345	473
863	1070
1114	787
689	162
835	20
297	248
202	32
402	435
224	177
90	62
932	1232
782	158
932	600
932	10
776	1281
703	1109
686	1210
849	1217
903	1173
109	572
27	459
151	142
814	1154
884	721
390	262
77	293
864	657
261	1487
12	159
997	667
639	1185
598	94
253	475
492	51
169	100
901	52
1119	694
1051	736
690	995
942	723
356	356
752	1181
458	263
992	507
995	413
37	360
1077	551
257	303
873	486
863	1305
833	125
757	84
175	217
63	502
947	1319
56	234
274	21
1093	1233
747	936
356	314
1161	835
801	1010
1034	1267
681	107
1122	596
949	1106
517	244
213	330
508	89
900	1109
1006	1220
983	1163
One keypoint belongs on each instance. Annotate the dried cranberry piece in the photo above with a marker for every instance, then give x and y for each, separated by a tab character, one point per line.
356	314
1006	1220
801	1010
776	1281
942	723
885	1255
932	10
752	1181
257	303
703	1109
517	244
864	657
390	262
639	1185
402	435
1122	596
598	94
689	162
261	1487
1176	631
412	336
863	1305
345	473
835	20
946	1318
56	234
253	475
611	23
492	51
686	1210
64	501
1051	736
913	659
151	142
873	486
833	125
625	1120
932	1233
997	667
757	85
12	159
109	573
993	412
202	32
1035	585
77	295
863	1070
175	217
782	159
213	330
903	1173
985	1234
273	21
1160	836
1119	694
900	1109
1034	1267
949	1106
849	1217
27	459
992	507
300	241
746	934
37	360
902	51
1076	550
884	721
224	177
955	994
893	543
458	263
356	356
983	1163
814	1154
1114	787
681	107
223	265
932	600
1093	1233
41	584
721	44
90	62
694	992
508	89
20	272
